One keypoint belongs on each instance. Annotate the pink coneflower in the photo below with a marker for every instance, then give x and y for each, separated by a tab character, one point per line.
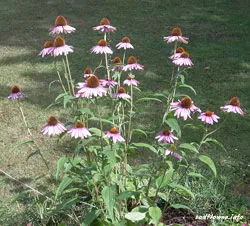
53	127
234	106
171	152
176	36
121	93
115	135
60	47
125	44
184	108
15	93
117	63
79	131
130	81
108	82
91	88
183	59
101	47
88	72
178	53
208	117
132	64
166	136
47	49
61	26
104	26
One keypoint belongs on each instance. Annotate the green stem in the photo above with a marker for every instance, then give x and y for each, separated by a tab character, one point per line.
70	77
66	75
59	77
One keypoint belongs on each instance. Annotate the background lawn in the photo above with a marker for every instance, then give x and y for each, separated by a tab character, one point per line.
219	47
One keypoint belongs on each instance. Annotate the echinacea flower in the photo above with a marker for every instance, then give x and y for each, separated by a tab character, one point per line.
171	152
88	72
60	47
166	136
47	49
132	64
178	53
15	93
101	47
130	81
176	36
53	127
183	59
233	106
115	135
104	26
61	26
91	88
208	117
108	82
121	93
183	108
79	131
125	44
117	63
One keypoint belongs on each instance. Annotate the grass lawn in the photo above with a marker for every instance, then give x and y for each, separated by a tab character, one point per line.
219	47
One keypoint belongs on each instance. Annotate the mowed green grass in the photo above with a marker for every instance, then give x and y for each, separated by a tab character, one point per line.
219	47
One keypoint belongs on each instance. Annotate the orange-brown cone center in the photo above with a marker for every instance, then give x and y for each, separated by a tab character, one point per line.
129	78
126	39
179	50
235	101
208	113
132	60
52	121
166	132
121	90
176	32
186	102
105	21
113	130
102	42
185	54
48	44
88	70
172	146
117	60
61	21
15	89
59	41
92	82
79	124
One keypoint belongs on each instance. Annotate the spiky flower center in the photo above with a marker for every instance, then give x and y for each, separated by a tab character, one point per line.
184	54
121	90
92	82
208	113
172	146
129	78
61	21
15	89
176	32
88	70
105	21
179	50
166	132
132	60
113	130
79	124
126	39
235	101
59	41
48	44
186	102
117	60
102	42
52	121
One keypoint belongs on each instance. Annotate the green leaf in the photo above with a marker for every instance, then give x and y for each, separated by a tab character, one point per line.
96	131
90	217
60	96
189	87
86	111
148	99
135	216
108	195
102	120
60	164
209	162
173	123
127	194
216	142
195	175
190	147
140	131
67	99
155	214
64	184
180	206
150	147
33	153
181	189
164	180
